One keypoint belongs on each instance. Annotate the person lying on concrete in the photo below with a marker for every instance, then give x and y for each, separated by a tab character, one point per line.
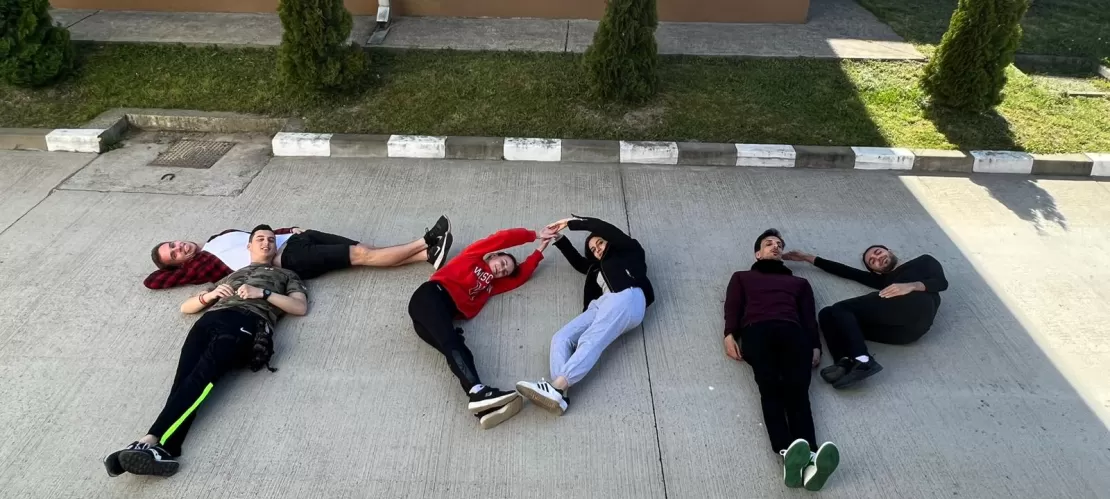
308	253
900	313
614	299
771	322
235	331
458	291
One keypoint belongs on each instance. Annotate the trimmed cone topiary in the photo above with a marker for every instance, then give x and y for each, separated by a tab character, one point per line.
314	53
622	63
33	51
968	70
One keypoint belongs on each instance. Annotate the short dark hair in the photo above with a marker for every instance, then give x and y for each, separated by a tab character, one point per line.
516	266
863	257
768	233
258	228
158	258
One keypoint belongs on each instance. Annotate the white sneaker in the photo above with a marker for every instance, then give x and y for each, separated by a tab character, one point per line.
543	395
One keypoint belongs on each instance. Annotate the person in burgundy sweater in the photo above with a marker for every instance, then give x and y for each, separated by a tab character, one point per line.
899	313
458	291
771	322
308	253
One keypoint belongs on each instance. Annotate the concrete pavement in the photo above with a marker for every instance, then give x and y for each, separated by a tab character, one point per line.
1004	398
836	29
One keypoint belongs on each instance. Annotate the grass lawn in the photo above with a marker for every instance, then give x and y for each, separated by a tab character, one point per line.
1078	28
540	95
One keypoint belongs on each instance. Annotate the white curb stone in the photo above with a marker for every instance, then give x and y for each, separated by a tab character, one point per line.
765	155
74	140
1100	164
883	158
302	144
649	153
522	149
1002	162
417	146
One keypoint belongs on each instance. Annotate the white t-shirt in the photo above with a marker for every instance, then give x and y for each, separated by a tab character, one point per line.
601	282
231	248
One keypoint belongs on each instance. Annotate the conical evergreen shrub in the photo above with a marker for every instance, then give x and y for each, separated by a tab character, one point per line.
314	53
622	63
33	51
968	70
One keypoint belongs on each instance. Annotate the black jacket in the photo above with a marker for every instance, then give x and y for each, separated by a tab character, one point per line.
623	266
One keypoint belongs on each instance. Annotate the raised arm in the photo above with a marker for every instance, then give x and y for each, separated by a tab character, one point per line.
610	232
572	255
523	273
864	277
500	240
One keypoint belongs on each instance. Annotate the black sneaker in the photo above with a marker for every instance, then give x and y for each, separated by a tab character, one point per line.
149	460
437	253
111	461
490	398
438	231
859	371
836	371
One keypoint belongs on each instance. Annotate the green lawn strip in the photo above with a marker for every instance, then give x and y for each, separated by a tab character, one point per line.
1077	28
763	101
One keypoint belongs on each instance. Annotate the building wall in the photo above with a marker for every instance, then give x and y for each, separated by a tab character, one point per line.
748	11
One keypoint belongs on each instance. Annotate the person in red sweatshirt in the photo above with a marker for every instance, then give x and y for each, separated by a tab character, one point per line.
459	290
771	313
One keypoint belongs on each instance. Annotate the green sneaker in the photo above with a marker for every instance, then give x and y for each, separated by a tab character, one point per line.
824	464
794	459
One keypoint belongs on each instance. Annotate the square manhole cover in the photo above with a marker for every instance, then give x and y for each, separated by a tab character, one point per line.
187	153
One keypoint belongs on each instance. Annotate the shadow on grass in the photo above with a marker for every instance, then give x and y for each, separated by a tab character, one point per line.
991	131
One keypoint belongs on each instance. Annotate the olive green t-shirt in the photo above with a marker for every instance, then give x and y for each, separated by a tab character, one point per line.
277	280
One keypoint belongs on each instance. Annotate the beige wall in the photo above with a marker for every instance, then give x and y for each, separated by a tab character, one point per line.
750	11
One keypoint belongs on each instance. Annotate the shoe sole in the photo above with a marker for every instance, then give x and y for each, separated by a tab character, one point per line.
795	461
842	383
109	467
442	256
485	405
503	414
828	458
142	463
552	406
832	376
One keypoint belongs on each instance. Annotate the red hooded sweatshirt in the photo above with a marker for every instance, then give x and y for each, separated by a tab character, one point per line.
467	277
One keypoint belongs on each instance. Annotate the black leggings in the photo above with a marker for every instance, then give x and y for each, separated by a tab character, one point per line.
220	341
894	321
433	314
312	254
781	358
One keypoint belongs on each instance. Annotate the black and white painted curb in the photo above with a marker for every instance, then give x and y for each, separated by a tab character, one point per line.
688	153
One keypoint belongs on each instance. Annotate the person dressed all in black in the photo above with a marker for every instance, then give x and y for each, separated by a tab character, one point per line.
900	313
771	322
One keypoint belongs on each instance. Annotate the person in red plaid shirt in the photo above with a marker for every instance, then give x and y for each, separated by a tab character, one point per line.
308	253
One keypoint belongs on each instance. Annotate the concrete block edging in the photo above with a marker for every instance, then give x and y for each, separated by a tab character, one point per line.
701	154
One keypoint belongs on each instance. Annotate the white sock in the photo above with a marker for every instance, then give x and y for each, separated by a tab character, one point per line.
863	358
477	388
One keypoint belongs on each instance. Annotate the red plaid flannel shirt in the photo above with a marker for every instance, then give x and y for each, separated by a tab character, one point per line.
203	268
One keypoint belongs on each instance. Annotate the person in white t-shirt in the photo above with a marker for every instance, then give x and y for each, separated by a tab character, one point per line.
308	253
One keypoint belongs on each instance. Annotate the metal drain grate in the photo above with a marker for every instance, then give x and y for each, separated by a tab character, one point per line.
193	154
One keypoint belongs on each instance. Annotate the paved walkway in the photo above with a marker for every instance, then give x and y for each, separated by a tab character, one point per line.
1000	400
837	29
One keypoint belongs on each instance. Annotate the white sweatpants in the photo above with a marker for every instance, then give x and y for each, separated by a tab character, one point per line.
577	346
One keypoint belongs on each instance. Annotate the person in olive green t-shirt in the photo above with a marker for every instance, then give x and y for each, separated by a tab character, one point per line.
246	302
